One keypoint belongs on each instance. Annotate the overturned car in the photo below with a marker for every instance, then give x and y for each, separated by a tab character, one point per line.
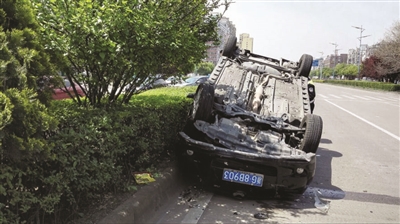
252	125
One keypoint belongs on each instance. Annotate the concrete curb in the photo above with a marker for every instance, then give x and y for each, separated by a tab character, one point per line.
147	200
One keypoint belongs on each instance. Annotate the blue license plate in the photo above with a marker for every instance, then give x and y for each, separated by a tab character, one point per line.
242	177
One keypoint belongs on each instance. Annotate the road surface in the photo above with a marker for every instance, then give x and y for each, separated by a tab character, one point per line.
357	176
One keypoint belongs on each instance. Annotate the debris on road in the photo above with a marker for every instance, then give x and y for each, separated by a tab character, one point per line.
321	204
261	215
143	178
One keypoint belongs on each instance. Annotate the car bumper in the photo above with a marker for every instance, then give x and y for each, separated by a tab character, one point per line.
280	172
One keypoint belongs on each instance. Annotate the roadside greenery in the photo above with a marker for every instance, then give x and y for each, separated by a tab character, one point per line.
341	70
23	58
386	86
387	55
126	42
58	156
89	153
204	68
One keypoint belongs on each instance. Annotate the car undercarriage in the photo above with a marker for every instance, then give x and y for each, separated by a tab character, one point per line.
255	111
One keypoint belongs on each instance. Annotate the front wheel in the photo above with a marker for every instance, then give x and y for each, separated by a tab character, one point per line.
230	47
305	64
312	136
203	102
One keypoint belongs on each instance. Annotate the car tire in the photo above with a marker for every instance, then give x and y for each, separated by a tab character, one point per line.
305	64
203	102
230	47
312	136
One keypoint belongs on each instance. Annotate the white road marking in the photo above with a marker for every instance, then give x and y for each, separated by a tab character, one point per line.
374	98
196	212
389	103
335	96
392	99
323	96
370	123
363	98
348	97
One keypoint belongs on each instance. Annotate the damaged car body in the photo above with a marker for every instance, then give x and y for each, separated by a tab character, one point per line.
251	123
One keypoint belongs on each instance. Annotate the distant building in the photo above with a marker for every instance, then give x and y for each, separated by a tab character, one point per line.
354	54
331	61
225	29
245	42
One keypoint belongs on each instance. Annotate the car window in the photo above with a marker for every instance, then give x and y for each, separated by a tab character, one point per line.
190	80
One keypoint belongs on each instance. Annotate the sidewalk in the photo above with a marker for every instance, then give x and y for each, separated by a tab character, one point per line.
148	199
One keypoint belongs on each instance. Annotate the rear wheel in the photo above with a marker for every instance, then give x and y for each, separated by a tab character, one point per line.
230	47
203	102
305	64
312	136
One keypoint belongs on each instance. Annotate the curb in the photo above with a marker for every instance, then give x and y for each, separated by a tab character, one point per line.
148	199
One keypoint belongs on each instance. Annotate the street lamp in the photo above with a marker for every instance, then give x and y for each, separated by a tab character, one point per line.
320	64
334	65
360	38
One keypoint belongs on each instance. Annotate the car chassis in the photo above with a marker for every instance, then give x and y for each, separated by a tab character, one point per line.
251	123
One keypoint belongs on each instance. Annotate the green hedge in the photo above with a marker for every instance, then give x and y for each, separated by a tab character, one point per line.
93	152
364	84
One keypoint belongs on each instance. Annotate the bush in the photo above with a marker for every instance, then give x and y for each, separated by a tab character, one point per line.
364	84
23	150
91	152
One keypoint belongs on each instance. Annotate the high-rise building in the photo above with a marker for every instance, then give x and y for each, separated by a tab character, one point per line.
354	54
225	29
331	60
245	42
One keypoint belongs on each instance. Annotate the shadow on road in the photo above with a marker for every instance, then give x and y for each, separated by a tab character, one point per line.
323	172
325	141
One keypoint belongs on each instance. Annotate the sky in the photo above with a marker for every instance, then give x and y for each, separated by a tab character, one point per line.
288	29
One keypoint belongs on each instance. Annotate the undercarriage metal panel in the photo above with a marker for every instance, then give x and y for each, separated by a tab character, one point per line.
246	155
278	93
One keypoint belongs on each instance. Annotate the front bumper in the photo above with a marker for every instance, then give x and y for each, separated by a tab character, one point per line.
280	171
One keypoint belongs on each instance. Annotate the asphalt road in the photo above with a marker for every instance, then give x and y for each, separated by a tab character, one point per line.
357	176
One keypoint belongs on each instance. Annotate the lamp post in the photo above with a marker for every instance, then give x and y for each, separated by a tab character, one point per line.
334	65
360	38
320	64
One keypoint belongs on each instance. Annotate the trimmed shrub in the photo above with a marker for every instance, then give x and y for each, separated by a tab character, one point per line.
364	84
92	152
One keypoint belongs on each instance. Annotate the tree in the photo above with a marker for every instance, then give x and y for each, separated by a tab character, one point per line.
351	71
347	70
388	54
369	68
23	119
22	55
340	69
314	72
326	72
116	43
204	68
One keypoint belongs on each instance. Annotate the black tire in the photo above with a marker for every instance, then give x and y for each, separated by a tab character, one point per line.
230	47
203	102
312	136
305	64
